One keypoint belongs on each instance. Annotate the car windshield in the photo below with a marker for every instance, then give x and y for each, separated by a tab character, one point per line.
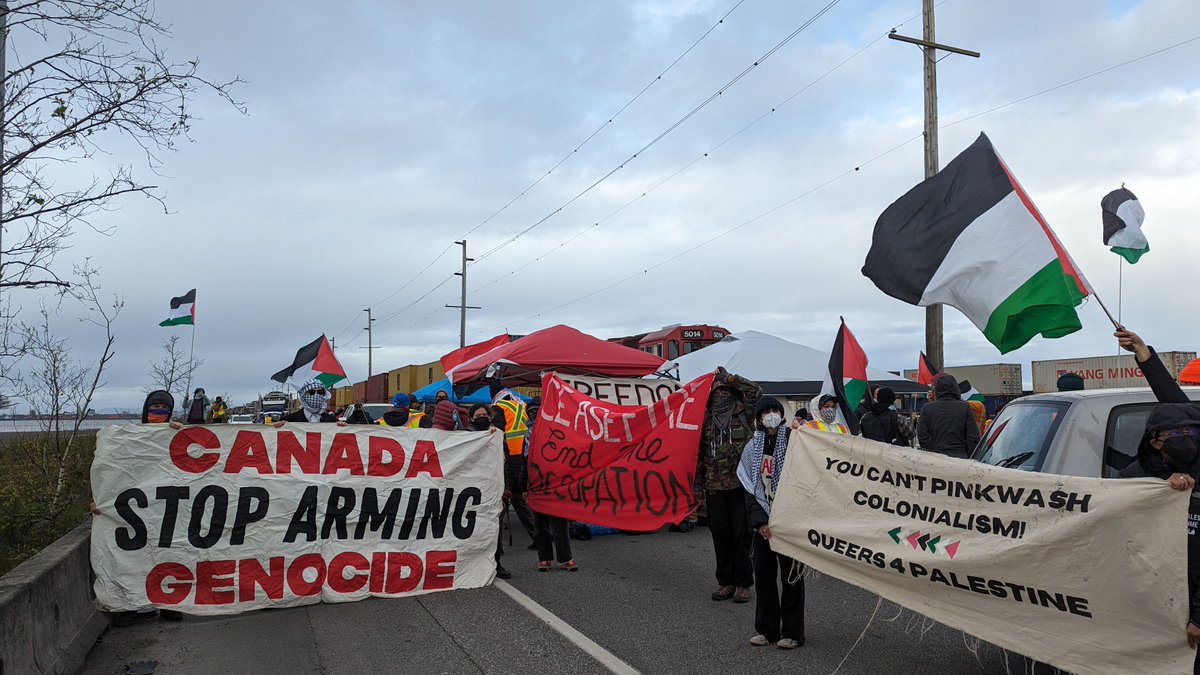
1021	434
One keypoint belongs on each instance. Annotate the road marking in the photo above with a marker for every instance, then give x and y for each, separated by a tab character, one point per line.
605	657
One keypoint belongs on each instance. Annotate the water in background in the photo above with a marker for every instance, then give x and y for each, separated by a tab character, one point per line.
27	426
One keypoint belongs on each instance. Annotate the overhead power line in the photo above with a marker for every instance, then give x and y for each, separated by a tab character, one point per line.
832	180
675	125
610	119
702	156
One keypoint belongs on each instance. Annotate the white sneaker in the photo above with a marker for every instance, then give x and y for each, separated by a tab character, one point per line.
787	643
760	641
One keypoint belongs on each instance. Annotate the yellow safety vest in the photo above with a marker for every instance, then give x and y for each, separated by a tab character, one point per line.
516	425
414	420
820	425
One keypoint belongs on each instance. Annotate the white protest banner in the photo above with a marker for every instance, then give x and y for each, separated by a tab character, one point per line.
1085	574
623	391
220	519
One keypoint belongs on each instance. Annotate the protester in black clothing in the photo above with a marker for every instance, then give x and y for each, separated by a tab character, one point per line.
882	423
947	425
479	418
516	471
1170	450
156	409
778	610
196	408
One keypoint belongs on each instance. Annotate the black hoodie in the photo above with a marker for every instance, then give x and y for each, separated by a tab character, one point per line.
947	424
1175	410
881	422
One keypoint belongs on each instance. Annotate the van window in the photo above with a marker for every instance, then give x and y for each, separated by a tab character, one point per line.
1125	426
1021	434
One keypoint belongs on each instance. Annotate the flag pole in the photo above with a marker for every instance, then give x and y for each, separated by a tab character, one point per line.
1120	284
191	359
1116	324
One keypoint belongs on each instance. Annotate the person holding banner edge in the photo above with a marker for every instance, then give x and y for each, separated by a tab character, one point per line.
726	430
778	611
1170	450
481	418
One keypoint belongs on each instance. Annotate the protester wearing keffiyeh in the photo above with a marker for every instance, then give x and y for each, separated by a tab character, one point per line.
778	579
314	404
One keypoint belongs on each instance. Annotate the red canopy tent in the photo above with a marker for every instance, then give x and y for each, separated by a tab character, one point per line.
562	349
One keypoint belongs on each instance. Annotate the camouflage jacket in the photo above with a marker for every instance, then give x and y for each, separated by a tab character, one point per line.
721	449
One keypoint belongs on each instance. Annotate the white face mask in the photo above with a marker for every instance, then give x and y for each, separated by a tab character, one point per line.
772	420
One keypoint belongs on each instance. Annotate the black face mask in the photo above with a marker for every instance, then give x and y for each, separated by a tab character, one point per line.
1181	453
481	424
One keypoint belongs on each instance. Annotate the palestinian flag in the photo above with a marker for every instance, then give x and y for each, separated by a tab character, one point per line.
183	310
846	379
968	392
970	237
1123	216
925	370
314	361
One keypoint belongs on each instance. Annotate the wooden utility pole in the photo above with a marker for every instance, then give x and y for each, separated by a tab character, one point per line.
462	306
370	345
934	348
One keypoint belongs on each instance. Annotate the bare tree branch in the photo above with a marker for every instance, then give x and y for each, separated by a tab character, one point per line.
81	75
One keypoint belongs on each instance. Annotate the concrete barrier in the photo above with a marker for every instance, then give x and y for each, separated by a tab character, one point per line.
48	621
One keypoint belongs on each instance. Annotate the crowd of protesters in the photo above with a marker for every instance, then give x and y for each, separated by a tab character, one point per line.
741	454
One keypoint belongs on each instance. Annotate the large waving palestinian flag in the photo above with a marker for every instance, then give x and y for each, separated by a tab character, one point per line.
847	377
183	310
970	237
314	361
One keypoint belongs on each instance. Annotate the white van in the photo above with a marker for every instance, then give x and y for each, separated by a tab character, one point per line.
1092	433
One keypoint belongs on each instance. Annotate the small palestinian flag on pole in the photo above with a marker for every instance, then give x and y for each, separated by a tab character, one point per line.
969	393
846	378
1123	217
925	370
970	237
314	361
183	310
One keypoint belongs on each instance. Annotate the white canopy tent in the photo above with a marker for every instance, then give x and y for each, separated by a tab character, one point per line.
784	368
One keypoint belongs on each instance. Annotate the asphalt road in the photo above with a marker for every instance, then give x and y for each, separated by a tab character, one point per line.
644	599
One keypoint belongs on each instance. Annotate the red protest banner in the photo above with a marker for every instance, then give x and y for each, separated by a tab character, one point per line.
627	467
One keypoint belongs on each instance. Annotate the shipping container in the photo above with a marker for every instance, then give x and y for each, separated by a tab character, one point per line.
343	396
1103	372
412	377
989	379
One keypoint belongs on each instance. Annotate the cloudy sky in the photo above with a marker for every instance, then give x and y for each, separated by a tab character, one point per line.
380	133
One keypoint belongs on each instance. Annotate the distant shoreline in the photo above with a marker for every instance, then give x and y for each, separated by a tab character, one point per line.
36	427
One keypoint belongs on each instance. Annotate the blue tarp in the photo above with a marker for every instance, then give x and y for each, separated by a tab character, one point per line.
428	393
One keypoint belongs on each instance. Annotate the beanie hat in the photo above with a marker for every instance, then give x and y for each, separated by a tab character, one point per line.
1190	373
827	398
767	403
885	396
1070	382
400	400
